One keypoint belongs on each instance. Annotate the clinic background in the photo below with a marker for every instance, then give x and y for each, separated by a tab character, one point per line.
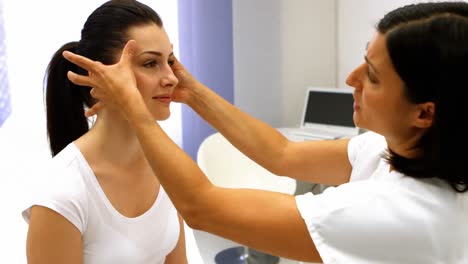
259	54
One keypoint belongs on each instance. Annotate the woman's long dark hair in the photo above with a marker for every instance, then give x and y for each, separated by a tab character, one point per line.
428	46
104	35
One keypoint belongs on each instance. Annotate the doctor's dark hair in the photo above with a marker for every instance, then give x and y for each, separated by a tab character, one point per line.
428	46
103	37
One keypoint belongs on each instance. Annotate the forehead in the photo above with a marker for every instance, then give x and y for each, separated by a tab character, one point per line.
377	50
377	53
151	37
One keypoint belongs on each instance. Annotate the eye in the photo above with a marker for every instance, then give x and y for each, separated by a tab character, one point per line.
371	77
150	64
171	62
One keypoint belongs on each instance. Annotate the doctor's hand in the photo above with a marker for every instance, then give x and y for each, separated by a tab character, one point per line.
112	85
186	88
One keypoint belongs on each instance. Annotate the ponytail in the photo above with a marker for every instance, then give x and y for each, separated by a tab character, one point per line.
65	102
104	34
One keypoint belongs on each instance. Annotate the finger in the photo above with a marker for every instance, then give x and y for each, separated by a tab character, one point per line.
92	92
176	63
97	93
95	109
128	52
80	79
79	60
178	68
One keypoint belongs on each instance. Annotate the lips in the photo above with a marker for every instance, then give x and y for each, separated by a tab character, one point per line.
163	98
355	106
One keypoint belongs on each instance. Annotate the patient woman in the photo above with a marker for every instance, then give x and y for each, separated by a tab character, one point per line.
101	202
401	195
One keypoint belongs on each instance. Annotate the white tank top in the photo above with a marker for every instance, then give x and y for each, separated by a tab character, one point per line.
72	190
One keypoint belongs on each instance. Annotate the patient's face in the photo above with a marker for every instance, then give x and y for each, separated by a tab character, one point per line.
153	73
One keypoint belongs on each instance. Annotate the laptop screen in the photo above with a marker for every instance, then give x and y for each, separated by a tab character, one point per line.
329	107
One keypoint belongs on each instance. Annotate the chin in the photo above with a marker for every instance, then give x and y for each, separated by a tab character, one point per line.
360	124
356	120
161	116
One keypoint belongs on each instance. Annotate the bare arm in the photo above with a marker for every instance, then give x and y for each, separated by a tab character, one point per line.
316	161
52	239
178	254
264	220
267	221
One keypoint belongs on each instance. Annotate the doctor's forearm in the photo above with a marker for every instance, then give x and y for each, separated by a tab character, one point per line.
258	140
242	215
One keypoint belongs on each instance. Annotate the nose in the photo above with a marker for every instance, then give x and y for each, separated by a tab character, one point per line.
169	80
354	79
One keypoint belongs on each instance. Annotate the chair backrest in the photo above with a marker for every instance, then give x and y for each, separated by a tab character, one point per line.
226	166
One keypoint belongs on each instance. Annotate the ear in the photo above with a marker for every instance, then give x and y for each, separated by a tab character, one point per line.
426	113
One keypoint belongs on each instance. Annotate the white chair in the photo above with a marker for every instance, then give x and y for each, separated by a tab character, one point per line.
226	166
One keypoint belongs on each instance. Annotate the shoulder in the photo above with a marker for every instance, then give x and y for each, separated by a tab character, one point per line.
60	185
368	221
366	142
365	152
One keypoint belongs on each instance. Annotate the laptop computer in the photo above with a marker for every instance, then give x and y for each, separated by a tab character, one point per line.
327	114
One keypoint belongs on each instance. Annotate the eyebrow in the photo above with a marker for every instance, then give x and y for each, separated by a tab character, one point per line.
157	53
370	64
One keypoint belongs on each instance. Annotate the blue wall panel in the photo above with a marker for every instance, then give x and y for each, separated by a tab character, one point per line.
206	50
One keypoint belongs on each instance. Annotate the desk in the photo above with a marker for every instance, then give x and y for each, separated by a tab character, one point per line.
298	134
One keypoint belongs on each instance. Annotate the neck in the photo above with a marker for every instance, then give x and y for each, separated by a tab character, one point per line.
405	145
111	141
